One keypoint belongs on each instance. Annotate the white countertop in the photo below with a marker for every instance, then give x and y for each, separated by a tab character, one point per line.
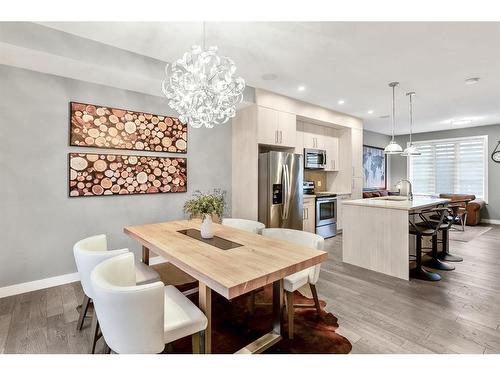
417	203
326	192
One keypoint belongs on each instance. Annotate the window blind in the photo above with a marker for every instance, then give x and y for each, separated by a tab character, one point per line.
457	166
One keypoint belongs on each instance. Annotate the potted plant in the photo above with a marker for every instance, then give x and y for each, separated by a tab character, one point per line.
204	205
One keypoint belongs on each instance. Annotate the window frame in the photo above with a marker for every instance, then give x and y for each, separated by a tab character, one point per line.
484	138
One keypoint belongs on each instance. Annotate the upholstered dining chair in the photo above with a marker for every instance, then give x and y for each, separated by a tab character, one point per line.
138	319
308	276
244	224
88	253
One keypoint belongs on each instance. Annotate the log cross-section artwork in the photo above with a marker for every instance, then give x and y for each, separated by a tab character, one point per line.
105	127
106	174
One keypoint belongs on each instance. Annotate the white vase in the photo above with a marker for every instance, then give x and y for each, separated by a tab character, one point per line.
207	229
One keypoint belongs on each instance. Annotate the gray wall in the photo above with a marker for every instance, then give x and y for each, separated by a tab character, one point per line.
492	211
38	222
379	140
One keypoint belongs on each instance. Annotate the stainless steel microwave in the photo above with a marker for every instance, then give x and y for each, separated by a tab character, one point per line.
314	159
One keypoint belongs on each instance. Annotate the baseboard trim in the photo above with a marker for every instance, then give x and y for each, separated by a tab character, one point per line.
490	221
30	286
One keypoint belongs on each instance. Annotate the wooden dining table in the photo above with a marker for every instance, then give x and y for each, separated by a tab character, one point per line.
231	264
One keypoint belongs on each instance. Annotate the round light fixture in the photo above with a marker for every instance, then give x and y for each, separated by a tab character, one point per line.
341	101
301	88
472	80
370	112
411	150
393	148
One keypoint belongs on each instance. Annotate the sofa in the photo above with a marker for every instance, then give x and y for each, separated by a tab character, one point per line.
376	193
473	207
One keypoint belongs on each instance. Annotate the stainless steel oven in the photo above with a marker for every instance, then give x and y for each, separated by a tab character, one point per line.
326	215
314	159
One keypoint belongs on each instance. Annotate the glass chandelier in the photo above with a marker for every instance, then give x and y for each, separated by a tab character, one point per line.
202	88
411	150
393	148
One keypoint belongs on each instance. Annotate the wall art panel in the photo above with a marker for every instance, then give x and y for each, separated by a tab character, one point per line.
104	127
105	174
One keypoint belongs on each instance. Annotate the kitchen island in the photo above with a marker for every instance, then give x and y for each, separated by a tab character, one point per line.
376	234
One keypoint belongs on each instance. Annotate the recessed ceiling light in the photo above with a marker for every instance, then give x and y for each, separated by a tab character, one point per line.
472	81
370	112
341	101
301	88
269	76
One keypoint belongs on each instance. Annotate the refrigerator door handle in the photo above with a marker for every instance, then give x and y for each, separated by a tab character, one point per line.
284	193
286	190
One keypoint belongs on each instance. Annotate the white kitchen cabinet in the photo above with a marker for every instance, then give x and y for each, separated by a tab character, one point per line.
340	201
287	128
299	139
309	224
357	188
332	153
357	152
276	127
267	126
314	136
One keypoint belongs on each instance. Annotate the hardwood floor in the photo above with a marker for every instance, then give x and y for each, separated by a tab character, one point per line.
377	313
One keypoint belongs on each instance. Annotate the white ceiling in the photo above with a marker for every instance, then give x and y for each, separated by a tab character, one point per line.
353	61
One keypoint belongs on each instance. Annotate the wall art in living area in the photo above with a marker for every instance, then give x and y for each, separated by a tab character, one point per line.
106	174
106	127
374	167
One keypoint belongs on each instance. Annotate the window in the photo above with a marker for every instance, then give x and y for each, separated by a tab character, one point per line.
456	166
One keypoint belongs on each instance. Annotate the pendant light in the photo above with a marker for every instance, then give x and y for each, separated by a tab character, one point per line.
411	150
393	148
202	86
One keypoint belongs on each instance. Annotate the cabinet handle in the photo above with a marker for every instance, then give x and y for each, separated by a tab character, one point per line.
307	213
281	137
275	136
334	162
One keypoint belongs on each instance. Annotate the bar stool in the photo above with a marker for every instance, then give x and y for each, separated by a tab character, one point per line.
436	259
451	218
426	228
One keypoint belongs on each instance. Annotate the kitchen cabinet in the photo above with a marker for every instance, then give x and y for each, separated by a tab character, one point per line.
357	188
287	127
314	136
332	153
276	127
340	201
299	139
357	152
309	224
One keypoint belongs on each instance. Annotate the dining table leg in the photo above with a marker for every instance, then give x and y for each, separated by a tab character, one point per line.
205	304
278	306
145	255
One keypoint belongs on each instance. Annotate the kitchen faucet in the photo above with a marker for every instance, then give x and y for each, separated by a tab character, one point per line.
410	189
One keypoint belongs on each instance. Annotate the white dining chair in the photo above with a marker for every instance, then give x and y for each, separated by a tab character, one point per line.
244	224
308	276
138	319
88	253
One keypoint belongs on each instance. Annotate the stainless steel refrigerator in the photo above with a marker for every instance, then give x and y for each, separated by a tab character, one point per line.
280	190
